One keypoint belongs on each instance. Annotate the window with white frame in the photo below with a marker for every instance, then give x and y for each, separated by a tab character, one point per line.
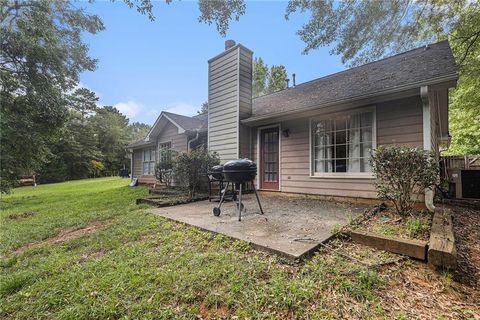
163	147
149	161
343	143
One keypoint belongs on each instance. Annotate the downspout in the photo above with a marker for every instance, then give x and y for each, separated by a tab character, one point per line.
189	146
427	139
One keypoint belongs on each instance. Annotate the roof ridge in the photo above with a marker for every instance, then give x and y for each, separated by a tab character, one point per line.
356	67
177	114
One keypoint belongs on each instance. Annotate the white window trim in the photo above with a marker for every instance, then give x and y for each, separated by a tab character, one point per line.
345	175
158	149
143	161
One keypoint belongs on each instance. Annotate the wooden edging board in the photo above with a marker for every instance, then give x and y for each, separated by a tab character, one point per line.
441	249
413	248
155	203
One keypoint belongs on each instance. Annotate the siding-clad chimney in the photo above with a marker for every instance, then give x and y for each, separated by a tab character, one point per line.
229	101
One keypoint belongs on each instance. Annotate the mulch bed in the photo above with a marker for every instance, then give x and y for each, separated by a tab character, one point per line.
466	222
170	197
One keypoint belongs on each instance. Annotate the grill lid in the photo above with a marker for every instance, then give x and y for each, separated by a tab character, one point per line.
216	169
216	172
240	165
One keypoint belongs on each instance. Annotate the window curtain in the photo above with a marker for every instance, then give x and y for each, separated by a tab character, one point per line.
323	147
354	143
366	135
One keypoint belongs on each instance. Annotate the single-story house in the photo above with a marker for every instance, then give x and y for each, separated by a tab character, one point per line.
314	137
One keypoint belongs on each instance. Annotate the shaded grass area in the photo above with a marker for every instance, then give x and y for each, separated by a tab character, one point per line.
389	223
139	265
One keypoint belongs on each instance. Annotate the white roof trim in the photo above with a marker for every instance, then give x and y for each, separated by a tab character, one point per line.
163	115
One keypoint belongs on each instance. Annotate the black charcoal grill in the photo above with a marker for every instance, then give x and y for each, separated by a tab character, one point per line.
216	172
216	179
238	172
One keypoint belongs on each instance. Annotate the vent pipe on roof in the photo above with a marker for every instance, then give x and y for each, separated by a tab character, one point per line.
293	78
287	81
229	44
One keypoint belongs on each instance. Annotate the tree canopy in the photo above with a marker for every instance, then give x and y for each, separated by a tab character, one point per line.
364	31
203	108
41	58
46	118
265	80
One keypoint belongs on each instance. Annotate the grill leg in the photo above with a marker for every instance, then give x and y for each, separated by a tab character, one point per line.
240	203
256	195
223	194
209	189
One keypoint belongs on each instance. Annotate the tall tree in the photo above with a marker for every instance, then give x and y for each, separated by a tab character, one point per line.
277	79
464	116
363	31
265	80
260	75
203	108
110	127
41	57
137	131
84	101
78	145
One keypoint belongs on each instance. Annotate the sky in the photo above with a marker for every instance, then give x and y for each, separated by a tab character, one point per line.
146	67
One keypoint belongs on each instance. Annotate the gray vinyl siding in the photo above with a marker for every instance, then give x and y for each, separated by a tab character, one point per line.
137	163
245	89
222	106
399	122
295	168
245	143
229	100
170	134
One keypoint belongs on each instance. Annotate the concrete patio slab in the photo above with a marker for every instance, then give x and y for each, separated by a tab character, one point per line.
291	226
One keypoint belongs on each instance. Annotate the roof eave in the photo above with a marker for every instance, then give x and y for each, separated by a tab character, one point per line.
162	114
449	79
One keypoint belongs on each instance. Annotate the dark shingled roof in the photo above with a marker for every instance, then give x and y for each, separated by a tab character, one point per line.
204	119
416	66
140	143
197	122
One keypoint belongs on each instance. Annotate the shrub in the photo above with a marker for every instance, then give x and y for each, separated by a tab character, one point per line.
164	168
191	168
400	172
96	168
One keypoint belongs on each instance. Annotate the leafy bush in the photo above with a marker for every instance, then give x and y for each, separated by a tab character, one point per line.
96	168
164	168
400	172
190	169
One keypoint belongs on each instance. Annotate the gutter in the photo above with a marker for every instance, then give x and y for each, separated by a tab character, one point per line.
450	77
189	146
427	139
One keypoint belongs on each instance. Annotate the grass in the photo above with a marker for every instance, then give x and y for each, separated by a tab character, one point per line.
389	223
141	266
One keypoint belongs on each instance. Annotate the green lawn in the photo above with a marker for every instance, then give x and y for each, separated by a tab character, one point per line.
137	265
